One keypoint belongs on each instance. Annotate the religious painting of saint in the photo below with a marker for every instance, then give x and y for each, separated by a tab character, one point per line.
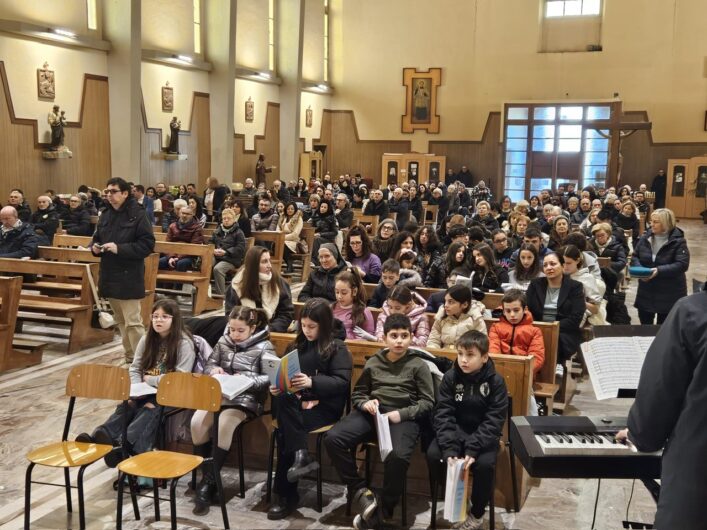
308	117
421	112
167	99
46	88
421	100
249	110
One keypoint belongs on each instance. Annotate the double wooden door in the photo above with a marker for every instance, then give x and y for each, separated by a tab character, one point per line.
686	193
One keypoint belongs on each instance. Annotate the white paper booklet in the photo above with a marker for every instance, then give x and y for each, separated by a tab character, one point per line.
456	492
141	389
615	363
385	446
233	385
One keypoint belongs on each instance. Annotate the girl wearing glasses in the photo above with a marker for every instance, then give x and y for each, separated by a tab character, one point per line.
166	347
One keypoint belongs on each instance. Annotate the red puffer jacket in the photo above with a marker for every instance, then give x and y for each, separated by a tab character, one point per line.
521	339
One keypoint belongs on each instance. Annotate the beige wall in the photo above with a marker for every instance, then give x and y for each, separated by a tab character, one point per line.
318	102
252	34
65	14
261	94
654	57
168	25
313	42
23	57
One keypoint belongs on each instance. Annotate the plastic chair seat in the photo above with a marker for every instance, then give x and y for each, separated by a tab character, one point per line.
68	454
160	464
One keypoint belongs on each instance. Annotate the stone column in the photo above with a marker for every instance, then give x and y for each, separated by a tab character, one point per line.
221	53
122	27
289	53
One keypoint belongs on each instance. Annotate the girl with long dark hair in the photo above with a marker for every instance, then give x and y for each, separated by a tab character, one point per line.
527	267
488	276
322	389
350	306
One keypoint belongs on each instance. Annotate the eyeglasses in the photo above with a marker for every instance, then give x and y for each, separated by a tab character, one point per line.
162	317
500	240
386	227
111	191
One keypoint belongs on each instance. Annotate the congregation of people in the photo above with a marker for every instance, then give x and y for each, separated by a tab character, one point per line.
542	254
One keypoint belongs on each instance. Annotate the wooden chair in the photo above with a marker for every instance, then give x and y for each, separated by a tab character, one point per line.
432	210
93	381
186	391
307	234
371	220
604	262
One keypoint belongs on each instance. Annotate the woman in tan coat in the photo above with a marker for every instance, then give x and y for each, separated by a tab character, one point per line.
459	314
291	224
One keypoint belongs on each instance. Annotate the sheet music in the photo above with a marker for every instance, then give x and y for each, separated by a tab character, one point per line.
233	385
141	389
614	363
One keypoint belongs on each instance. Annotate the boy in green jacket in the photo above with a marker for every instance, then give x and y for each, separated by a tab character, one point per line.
398	383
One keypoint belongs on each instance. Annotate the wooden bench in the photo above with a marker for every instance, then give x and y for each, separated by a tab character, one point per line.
517	372
75	309
307	234
278	240
200	278
15	353
370	220
76	255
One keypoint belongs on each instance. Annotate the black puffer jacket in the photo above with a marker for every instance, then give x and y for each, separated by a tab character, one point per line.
470	411
232	241
24	212
20	242
122	275
77	222
325	226
46	223
673	259
320	283
244	358
614	250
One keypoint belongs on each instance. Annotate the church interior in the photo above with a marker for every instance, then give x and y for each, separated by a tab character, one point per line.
529	95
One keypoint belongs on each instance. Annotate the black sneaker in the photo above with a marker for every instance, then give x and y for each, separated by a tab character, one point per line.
85	438
114	458
302	465
366	502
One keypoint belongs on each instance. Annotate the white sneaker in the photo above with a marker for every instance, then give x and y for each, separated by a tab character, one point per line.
559	370
472	523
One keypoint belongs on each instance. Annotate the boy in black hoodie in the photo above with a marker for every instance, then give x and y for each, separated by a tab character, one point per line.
468	419
398	383
390	276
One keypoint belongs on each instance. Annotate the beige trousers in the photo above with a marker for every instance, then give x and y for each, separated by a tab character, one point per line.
128	317
202	421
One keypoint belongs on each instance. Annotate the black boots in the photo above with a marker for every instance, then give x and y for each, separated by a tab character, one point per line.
205	490
302	465
282	507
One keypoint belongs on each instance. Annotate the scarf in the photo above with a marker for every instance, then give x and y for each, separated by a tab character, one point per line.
270	300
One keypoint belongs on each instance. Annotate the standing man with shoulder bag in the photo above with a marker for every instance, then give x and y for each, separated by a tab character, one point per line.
123	239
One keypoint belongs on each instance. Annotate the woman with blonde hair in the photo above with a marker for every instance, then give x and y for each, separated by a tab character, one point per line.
662	249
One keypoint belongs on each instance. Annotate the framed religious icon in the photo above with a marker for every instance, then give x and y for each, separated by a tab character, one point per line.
308	117
421	100
46	88
249	110
167	98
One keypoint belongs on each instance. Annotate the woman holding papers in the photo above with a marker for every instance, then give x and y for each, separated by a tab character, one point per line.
167	347
321	391
240	352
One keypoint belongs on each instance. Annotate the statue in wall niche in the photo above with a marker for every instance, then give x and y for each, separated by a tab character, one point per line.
57	121
174	126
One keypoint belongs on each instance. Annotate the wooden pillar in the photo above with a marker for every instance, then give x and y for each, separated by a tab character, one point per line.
614	145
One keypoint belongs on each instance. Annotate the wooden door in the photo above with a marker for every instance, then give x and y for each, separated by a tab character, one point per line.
696	195
677	185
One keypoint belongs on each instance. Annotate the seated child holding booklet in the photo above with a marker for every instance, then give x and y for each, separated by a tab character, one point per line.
395	382
166	347
321	390
468	419
238	351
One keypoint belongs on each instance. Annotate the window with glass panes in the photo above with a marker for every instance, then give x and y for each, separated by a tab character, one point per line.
550	144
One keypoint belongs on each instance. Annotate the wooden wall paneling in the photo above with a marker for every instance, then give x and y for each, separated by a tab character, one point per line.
268	143
483	157
642	157
21	162
347	153
195	142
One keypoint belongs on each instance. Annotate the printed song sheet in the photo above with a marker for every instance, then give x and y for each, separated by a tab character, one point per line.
614	363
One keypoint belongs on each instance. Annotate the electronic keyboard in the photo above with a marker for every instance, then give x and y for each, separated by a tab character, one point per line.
579	447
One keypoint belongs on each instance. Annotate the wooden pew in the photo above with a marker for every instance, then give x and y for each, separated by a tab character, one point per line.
15	353
76	309
516	371
371	220
200	278
307	234
86	256
278	239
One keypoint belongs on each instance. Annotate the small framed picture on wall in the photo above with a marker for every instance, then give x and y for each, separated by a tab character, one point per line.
167	98
421	100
